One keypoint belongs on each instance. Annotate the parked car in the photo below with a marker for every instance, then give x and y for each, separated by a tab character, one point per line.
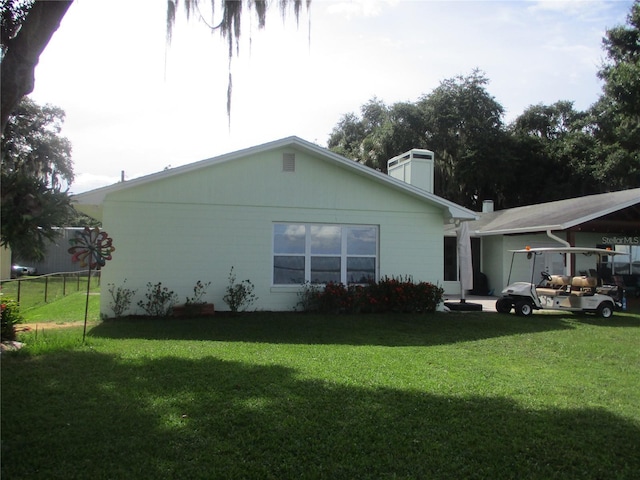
19	270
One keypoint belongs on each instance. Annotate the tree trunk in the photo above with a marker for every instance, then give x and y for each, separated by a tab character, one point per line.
23	53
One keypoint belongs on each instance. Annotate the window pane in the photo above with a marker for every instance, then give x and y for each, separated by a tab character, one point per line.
621	262
288	238
362	241
288	270
326	239
325	269
361	269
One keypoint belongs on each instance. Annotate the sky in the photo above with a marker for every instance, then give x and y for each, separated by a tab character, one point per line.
136	105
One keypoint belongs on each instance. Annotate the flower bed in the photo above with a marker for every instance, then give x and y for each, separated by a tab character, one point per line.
388	295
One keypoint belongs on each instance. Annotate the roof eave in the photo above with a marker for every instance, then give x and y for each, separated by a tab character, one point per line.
521	230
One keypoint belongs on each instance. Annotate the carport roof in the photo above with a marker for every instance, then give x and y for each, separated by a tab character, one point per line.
558	215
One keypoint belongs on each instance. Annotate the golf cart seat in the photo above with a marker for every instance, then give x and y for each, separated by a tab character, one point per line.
583	285
555	286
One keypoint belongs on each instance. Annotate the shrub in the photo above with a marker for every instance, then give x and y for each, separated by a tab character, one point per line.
159	300
199	291
11	316
308	297
239	296
388	295
120	298
402	295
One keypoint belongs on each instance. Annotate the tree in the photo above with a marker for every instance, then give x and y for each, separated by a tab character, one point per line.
546	122
32	144
621	72
614	120
459	121
380	133
36	168
464	128
28	25
548	144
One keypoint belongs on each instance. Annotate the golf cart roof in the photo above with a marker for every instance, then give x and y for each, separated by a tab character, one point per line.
583	250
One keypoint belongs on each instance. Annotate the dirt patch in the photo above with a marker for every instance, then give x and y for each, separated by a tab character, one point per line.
27	327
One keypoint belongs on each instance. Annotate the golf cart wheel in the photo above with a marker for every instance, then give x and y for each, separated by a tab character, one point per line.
503	305
605	310
524	308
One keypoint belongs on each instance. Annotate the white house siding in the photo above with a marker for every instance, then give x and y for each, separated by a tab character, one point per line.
197	225
493	262
497	257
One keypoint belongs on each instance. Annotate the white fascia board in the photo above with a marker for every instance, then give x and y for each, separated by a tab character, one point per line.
533	229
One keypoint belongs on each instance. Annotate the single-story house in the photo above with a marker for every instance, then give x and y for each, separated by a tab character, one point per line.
281	214
608	220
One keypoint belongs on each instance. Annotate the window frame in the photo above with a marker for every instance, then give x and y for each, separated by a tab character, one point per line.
308	254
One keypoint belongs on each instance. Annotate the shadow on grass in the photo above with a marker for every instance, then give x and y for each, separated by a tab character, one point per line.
618	320
295	328
95	416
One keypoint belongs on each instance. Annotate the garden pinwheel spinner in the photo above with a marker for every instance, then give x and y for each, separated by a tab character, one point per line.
91	248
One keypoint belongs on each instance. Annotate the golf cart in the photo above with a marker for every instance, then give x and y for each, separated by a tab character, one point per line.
583	293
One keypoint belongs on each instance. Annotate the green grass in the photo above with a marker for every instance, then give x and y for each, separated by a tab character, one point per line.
66	309
66	300
467	395
39	291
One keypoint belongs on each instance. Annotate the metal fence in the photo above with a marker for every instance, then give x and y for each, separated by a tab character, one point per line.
32	291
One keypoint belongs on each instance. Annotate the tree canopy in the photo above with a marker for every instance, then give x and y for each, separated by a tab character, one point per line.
36	168
460	121
615	118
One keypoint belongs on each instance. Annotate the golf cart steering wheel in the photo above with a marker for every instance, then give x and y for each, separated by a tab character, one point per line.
546	276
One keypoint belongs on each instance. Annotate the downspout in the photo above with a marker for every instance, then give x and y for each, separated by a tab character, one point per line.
567	267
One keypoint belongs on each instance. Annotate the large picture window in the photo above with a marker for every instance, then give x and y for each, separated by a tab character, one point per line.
324	253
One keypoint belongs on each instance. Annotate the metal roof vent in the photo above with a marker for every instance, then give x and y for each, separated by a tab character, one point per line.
288	162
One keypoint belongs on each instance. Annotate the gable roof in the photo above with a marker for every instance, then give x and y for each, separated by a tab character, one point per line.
558	215
91	202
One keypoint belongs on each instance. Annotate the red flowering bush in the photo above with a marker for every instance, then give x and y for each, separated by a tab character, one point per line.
388	295
10	317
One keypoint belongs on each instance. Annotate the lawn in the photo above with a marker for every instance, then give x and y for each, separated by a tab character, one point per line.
65	309
283	396
36	292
